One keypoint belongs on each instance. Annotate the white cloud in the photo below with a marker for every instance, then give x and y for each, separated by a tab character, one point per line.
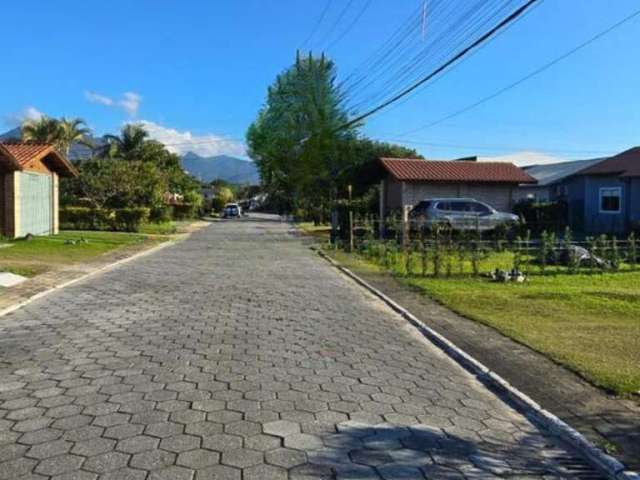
523	159
181	142
130	101
97	98
29	113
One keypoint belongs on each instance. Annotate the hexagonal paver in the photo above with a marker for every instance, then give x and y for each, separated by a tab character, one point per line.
180	443
281	428
262	442
125	474
243	428
94	446
172	473
208	405
152	460
49	449
219	472
198	459
303	441
137	444
106	462
222	442
163	430
241	457
285	457
262	472
59	465
120	432
203	428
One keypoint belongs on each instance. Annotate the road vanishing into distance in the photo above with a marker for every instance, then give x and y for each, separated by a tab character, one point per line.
240	354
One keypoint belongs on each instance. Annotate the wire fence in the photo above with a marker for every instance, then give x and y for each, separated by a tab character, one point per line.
416	247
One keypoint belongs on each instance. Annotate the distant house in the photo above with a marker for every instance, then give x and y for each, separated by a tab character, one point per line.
29	187
602	194
605	197
408	181
551	180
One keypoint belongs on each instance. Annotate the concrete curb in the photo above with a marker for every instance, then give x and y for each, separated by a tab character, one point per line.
104	268
608	465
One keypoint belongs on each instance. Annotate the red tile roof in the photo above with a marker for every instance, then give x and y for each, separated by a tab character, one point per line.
416	170
19	154
625	164
24	152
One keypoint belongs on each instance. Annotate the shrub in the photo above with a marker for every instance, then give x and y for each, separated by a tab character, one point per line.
184	211
552	217
85	218
161	214
130	219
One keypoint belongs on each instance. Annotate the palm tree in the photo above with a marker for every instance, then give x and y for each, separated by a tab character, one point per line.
60	133
72	131
42	130
128	145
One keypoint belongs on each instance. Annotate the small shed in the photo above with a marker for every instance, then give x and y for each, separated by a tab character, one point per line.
407	181
29	188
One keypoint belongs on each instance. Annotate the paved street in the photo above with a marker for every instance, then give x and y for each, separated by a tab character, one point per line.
239	354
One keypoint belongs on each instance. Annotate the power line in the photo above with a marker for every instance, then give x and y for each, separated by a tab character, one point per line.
351	25
530	75
318	23
510	18
335	24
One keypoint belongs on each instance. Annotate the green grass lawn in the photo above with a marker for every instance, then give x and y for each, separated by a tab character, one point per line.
31	257
587	322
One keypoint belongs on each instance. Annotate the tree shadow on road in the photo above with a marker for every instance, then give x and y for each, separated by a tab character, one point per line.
387	451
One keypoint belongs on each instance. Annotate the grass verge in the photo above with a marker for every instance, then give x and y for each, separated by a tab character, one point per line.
587	322
41	254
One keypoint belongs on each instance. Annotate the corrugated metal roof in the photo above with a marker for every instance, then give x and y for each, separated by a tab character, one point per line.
554	172
416	170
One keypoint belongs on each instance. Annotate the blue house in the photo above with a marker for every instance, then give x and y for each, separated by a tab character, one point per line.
605	196
602	194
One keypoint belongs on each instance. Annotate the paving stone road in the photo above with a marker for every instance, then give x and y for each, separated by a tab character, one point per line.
239	354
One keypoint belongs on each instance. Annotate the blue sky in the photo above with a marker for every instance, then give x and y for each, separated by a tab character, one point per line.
196	72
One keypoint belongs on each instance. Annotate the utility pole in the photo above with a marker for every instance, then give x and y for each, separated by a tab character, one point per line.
350	188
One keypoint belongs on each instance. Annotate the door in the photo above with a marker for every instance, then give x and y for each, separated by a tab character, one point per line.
36	202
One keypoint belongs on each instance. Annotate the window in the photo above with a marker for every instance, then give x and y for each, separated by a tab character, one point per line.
610	200
481	209
444	206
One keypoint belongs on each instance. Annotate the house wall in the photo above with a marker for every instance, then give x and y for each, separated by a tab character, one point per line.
393	194
538	194
499	196
596	222
575	187
633	203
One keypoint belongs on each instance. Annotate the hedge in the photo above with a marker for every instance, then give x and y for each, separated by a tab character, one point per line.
119	219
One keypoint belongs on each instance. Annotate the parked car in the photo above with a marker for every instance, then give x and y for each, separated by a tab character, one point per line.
232	210
460	214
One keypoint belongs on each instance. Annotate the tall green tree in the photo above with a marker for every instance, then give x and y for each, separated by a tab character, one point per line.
60	133
296	141
129	145
73	130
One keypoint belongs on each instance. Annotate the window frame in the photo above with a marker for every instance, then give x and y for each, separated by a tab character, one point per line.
601	195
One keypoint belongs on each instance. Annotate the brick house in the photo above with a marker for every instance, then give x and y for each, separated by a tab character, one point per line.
406	181
29	188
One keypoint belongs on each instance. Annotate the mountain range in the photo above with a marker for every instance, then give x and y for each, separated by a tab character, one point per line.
230	169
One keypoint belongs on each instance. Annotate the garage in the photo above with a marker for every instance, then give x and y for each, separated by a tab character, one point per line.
29	183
